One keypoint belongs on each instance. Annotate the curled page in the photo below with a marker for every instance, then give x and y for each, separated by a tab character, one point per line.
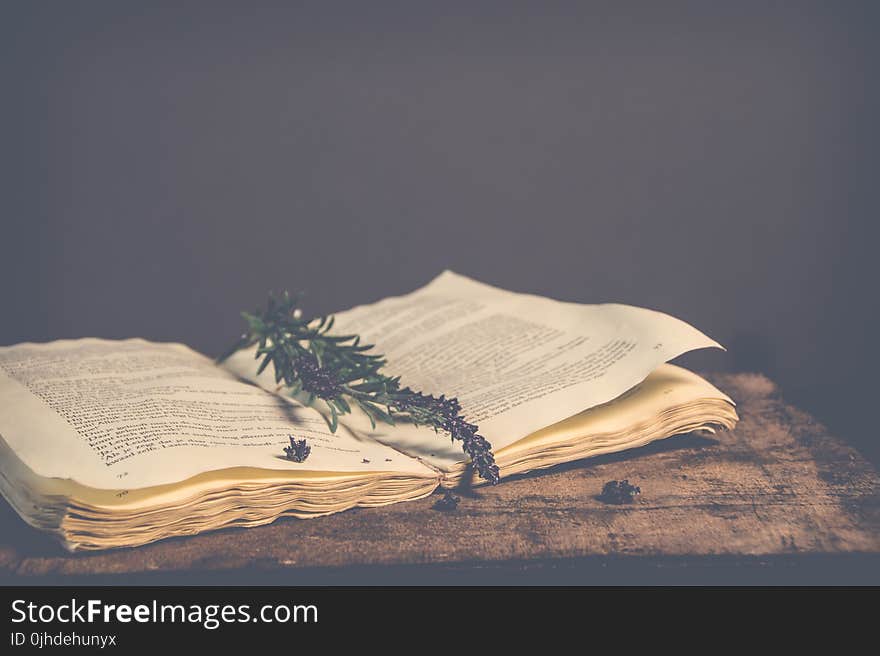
516	362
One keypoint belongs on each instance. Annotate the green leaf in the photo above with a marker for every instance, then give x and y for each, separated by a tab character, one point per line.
380	413
369	414
334	419
264	364
369	387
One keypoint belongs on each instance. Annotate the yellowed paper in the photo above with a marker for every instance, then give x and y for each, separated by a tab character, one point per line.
516	362
131	414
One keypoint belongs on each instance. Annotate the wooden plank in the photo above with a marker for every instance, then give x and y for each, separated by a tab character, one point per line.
778	486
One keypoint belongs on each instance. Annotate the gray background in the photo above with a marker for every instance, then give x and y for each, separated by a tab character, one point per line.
163	167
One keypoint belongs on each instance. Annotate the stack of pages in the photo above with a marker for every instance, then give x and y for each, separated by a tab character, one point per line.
107	443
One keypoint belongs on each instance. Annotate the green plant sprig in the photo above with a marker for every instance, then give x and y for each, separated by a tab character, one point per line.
344	373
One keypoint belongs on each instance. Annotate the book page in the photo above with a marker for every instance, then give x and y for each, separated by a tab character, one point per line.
516	362
130	414
671	400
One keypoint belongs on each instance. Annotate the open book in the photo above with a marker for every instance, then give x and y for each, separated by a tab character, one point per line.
119	443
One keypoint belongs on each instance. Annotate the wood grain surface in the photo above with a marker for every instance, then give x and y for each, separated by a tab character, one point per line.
778	487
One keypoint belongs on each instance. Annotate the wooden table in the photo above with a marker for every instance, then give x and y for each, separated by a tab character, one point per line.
778	500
